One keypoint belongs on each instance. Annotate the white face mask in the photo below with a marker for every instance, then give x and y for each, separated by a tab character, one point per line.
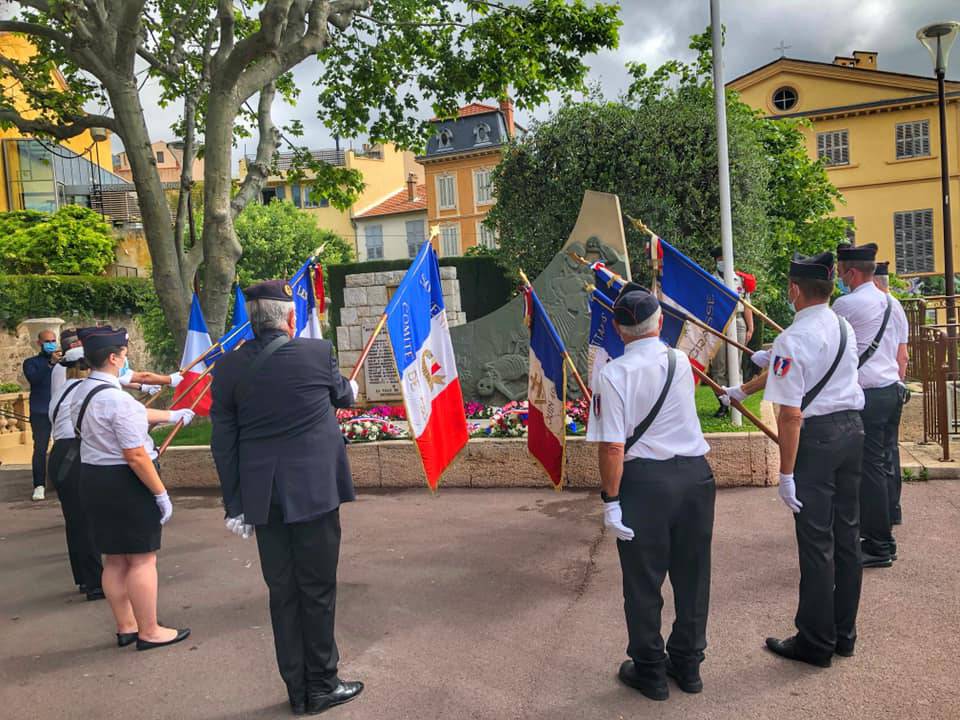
720	266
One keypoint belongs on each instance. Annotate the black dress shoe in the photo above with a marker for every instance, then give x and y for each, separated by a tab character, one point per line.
687	679
344	692
182	634
844	647
648	688
788	649
124	639
95	594
875	561
298	706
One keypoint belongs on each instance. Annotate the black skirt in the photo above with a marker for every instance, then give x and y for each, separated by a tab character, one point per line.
126	519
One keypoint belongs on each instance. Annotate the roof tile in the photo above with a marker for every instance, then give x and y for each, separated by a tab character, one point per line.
398	203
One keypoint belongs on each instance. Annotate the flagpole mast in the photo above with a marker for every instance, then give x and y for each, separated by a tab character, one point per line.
726	218
369	346
584	390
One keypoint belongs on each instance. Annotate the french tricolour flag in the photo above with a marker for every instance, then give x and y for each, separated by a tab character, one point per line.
302	284
688	289
546	391
421	345
198	342
239	329
604	342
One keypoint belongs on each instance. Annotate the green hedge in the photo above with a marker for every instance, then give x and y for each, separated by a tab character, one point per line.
484	285
71	296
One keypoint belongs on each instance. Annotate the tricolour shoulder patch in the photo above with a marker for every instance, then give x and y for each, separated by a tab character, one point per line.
781	365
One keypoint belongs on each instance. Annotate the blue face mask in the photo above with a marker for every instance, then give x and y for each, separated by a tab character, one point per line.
126	367
842	286
49	347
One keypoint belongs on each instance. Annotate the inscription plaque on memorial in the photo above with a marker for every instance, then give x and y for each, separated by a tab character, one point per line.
380	370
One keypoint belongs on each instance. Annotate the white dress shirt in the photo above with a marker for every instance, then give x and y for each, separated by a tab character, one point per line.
801	356
62	428
628	388
114	422
863	308
58	377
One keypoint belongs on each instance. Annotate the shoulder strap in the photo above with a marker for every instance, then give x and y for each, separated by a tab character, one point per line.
56	410
258	361
86	402
810	396
872	348
655	410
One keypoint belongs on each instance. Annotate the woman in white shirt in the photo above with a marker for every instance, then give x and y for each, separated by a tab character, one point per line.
122	490
63	468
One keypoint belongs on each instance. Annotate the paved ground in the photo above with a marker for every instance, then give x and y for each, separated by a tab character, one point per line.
476	604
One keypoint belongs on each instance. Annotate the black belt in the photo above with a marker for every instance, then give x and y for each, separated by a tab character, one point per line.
675	460
833	417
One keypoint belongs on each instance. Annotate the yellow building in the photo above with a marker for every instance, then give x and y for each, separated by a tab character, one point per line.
44	175
385	171
878	134
459	162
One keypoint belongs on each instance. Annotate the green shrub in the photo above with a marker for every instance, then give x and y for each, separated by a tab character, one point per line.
72	241
71	297
9	388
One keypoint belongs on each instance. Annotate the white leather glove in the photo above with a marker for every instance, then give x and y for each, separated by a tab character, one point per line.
734	393
175	379
186	415
356	389
761	358
150	389
613	519
73	354
788	492
166	507
238	527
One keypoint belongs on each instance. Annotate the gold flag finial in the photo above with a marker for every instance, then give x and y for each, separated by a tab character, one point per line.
434	231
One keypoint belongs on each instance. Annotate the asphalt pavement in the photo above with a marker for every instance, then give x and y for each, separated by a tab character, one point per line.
476	604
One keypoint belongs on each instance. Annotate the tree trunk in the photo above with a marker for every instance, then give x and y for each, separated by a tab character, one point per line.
154	209
221	249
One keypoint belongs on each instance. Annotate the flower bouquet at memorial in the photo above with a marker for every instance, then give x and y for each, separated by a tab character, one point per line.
389	412
371	429
478	411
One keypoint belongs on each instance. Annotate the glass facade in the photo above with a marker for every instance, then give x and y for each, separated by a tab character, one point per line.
43	176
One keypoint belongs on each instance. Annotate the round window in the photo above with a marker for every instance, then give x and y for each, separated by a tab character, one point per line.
784	99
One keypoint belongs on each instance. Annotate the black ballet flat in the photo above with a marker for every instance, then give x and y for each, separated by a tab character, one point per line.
182	634
124	639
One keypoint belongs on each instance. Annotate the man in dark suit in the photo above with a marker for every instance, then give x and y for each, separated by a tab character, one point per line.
283	470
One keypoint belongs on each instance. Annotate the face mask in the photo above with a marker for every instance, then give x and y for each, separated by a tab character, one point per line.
720	266
49	347
793	308
842	286
126	366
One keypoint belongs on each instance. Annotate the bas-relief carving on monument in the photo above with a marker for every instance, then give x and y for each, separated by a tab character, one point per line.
493	351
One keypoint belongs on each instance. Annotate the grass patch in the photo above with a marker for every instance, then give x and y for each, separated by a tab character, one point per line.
196	433
707	405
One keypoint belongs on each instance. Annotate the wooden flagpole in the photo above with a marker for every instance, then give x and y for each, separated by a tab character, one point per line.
366	348
584	390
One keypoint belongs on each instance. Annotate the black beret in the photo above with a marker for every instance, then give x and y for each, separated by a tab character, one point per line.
104	337
270	290
866	252
883	268
815	267
67	338
634	305
84	331
716	252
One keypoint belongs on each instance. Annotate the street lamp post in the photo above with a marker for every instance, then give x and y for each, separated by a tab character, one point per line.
938	38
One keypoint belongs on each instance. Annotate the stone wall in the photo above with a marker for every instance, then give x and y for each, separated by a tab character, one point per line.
18	345
365	295
737	459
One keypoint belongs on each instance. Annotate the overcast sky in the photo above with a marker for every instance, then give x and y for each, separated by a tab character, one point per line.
656	30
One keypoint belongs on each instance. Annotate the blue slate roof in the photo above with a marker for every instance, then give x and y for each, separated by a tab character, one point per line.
476	131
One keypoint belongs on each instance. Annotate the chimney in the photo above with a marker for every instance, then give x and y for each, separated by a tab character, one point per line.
411	187
866	60
506	107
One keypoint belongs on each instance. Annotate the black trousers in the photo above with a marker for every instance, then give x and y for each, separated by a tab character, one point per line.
299	565
881	412
40	427
827	473
892	446
84	556
669	506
